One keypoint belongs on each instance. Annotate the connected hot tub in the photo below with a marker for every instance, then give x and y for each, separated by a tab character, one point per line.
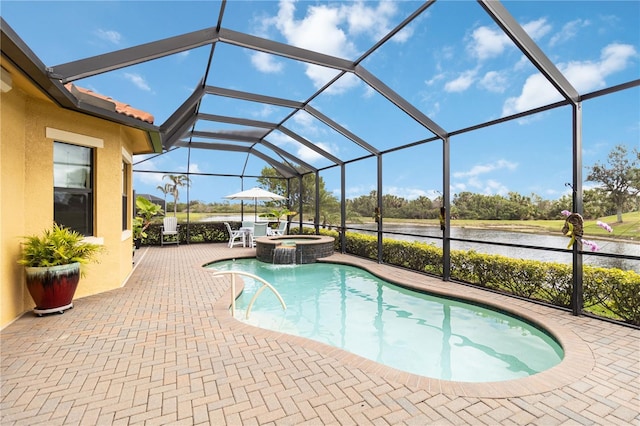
290	249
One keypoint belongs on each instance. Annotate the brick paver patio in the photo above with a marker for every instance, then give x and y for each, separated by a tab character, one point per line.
164	349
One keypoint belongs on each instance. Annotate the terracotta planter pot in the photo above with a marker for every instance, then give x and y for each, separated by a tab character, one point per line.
52	288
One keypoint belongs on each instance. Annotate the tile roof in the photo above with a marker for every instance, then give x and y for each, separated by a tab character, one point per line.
86	95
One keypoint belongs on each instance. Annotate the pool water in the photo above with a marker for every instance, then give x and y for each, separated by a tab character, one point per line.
423	334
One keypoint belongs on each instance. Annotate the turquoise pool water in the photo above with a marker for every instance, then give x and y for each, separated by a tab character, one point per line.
437	337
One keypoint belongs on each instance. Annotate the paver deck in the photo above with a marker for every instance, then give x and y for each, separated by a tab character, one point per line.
164	349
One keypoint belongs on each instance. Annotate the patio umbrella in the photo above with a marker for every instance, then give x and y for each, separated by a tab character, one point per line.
256	194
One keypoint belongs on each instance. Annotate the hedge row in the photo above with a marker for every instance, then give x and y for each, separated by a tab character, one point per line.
199	232
606	291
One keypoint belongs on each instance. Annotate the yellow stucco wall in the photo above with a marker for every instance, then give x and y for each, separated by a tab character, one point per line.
26	192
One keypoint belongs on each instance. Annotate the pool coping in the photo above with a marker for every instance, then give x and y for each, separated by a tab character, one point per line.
578	359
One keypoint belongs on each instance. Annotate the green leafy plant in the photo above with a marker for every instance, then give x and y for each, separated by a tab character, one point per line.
138	224
146	211
57	246
276	215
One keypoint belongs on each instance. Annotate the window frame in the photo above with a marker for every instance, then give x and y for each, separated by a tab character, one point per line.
94	144
85	226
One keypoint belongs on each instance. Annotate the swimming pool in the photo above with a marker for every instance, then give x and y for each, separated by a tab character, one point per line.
436	337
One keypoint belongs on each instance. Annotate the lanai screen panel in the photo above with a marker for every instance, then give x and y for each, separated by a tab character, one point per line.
238	108
325	136
620	109
170	78
263	73
589	43
221	128
302	151
506	161
371	116
413	173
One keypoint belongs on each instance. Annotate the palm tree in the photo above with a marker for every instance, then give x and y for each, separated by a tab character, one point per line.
177	182
166	189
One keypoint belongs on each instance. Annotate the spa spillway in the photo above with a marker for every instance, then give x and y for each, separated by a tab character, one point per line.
290	249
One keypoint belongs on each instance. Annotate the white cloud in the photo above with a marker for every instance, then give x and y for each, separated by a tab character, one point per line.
153	179
585	76
319	30
322	75
265	62
434	79
265	111
458	187
331	30
461	83
485	186
310	156
305	121
408	193
138	81
481	169
374	22
537	29
488	42
182	56
494	187
356	191
536	91
494	81
368	91
113	37
569	31
305	154
303	118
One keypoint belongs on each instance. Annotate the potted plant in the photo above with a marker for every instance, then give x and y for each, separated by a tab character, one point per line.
138	232
277	213
146	211
52	263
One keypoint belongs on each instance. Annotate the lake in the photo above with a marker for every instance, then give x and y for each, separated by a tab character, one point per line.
619	247
423	232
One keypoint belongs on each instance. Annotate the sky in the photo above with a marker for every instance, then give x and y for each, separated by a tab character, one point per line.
452	63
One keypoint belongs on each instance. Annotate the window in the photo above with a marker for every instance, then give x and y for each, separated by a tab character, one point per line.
125	199
73	187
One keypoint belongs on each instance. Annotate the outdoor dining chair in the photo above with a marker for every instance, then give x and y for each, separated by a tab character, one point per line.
281	229
234	234
259	230
169	229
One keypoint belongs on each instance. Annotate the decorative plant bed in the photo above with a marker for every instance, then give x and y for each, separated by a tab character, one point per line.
289	249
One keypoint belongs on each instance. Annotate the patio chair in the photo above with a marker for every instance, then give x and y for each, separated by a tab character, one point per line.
259	230
169	229
234	234
281	229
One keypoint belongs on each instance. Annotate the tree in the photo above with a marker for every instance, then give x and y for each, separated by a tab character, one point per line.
177	181
620	179
166	189
272	181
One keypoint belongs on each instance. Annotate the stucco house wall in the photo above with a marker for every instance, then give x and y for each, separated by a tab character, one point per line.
29	124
